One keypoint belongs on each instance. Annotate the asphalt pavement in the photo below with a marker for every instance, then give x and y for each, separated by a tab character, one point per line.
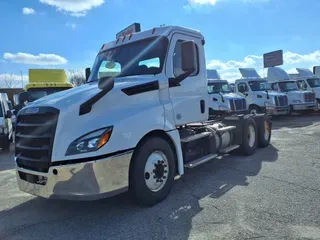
273	194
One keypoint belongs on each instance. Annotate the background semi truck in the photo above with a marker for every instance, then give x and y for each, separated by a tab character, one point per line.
43	82
260	97
299	100
134	130
222	100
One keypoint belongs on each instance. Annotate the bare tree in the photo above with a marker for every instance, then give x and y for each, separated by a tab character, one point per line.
77	78
10	80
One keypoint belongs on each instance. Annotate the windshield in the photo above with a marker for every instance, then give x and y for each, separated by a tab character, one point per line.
137	58
314	82
219	88
288	86
36	93
259	85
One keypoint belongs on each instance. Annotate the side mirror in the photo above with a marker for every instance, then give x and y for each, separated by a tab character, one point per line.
188	56
106	83
8	114
88	72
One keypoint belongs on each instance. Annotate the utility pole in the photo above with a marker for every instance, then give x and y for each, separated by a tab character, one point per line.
21	79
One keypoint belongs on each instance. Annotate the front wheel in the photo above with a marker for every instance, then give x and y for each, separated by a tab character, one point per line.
254	109
152	171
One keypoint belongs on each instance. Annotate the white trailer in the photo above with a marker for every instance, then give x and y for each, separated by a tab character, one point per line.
134	131
260	97
222	100
299	100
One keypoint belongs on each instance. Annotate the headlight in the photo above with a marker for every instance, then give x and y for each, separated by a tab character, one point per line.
90	142
296	101
274	100
1	130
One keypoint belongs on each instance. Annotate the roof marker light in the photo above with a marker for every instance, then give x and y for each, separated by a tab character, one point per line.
153	30
124	38
117	40
130	36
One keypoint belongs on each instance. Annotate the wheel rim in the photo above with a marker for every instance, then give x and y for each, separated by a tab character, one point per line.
251	136
253	111
156	171
266	130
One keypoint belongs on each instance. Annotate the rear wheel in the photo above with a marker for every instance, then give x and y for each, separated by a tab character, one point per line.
249	137
152	171
264	133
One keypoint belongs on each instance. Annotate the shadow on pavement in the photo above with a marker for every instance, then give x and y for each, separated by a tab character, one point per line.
6	159
118	218
295	121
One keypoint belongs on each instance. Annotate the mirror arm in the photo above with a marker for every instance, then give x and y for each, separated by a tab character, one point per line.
87	105
175	82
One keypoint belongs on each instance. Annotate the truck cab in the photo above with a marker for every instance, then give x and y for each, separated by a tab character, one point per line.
6	129
307	81
222	100
259	95
138	122
43	82
299	100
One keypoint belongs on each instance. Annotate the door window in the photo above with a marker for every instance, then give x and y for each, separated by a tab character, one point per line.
242	87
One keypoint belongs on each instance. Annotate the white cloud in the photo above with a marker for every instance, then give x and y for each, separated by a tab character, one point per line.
203	2
76	8
71	25
41	59
229	69
28	11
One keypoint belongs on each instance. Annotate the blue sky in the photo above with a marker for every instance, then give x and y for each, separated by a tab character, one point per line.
68	33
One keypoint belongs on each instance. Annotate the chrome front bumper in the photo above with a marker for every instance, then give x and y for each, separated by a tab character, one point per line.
304	106
277	110
81	181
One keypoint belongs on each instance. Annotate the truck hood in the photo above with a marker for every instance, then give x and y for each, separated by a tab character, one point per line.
232	96
270	93
78	95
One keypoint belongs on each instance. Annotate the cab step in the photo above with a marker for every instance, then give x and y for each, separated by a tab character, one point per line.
200	161
229	149
195	137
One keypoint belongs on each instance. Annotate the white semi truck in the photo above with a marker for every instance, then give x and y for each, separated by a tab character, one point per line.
260	97
306	80
299	100
134	130
222	100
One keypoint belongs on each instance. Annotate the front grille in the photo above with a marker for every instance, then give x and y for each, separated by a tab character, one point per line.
34	138
238	104
309	97
281	101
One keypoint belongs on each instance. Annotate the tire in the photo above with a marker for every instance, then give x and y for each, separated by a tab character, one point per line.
149	151
248	146
264	132
253	109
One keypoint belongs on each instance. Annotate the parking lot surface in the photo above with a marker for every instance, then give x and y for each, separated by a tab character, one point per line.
273	194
